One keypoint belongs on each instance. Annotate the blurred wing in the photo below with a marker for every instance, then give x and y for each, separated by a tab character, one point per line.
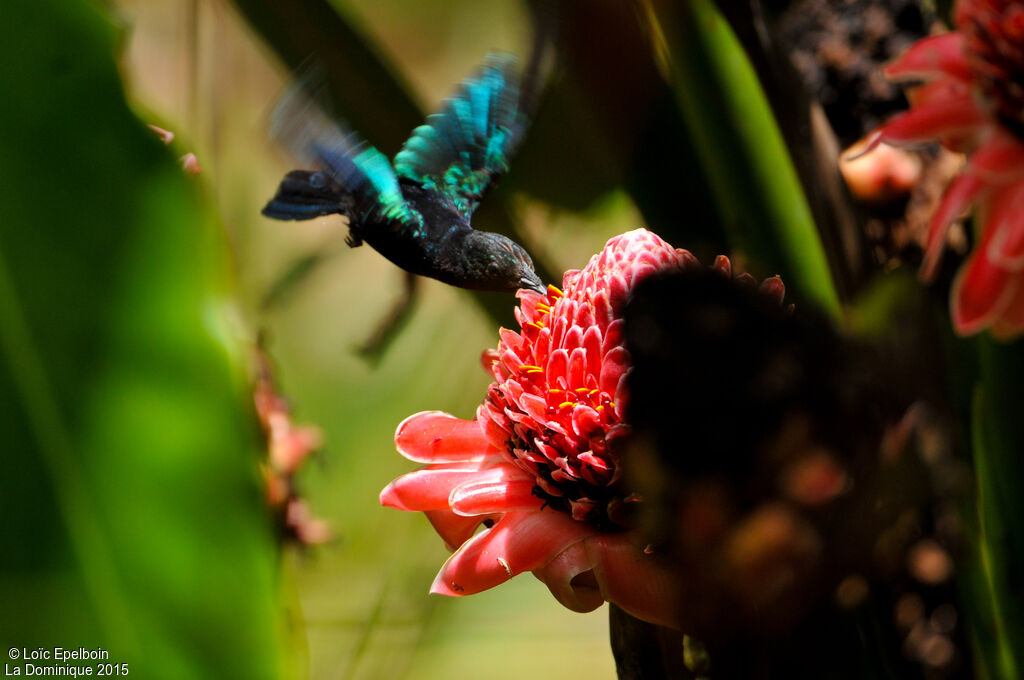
460	150
358	168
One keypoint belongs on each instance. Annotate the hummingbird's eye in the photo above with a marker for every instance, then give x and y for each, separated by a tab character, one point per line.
317	180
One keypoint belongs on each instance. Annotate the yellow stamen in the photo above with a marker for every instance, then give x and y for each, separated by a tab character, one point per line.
581	390
529	367
566	403
535	370
555	390
599	407
594	391
556	290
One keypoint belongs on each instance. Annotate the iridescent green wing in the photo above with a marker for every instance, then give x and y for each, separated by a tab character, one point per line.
459	151
358	168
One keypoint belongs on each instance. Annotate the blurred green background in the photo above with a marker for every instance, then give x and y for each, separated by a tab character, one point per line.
136	518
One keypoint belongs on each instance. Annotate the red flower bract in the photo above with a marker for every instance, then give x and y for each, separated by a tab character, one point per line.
556	406
972	100
539	466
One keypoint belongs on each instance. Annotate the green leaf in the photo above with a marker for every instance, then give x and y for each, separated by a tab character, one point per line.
134	519
753	182
998	441
617	122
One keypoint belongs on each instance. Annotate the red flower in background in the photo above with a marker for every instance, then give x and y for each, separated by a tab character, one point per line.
539	466
972	101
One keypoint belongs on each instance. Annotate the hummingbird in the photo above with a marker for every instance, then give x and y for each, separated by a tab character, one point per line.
416	211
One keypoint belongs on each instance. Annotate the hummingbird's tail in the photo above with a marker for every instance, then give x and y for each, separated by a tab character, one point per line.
303	195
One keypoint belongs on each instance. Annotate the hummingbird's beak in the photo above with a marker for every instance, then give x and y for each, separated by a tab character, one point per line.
533	282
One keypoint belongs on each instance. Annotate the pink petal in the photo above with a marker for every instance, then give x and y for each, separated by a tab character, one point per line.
616	363
958	198
602	308
641	272
488	498
573	339
684	259
980	292
1000	158
510	360
611	567
581	594
510	338
618	291
746	279
1006	221
585	316
723	265
614	336
592	350
542	345
438	437
567	281
487	359
558	330
493	427
429	488
585	420
932	56
534	406
773	288
948	117
512	389
577	364
529	301
454	529
1010	323
558	366
520	541
939	92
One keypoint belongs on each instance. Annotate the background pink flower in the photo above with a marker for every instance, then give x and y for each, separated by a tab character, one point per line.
971	101
539	466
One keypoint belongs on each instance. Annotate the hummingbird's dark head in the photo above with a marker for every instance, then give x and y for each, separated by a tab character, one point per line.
497	262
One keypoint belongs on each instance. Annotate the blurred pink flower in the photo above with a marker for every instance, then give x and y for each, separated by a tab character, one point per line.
288	446
972	101
539	465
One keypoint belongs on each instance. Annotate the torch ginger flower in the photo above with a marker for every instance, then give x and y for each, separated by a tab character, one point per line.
972	101
539	465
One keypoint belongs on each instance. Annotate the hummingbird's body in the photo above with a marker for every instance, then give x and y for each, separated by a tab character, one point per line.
416	212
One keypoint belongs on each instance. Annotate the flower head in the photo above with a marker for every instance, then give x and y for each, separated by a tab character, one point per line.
556	406
972	101
539	465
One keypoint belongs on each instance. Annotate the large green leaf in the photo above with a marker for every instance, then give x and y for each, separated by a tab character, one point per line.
612	119
133	518
754	184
